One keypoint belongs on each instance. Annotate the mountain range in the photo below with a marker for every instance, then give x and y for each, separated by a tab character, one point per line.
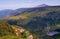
35	19
9	12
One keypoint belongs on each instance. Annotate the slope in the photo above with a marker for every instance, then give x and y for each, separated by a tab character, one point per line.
36	19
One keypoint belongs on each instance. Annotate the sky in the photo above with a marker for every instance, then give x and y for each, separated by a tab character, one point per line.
14	4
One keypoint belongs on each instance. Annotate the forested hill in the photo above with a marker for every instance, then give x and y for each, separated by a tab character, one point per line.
14	32
36	20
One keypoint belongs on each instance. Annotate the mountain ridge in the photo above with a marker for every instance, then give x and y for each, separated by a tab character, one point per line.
9	12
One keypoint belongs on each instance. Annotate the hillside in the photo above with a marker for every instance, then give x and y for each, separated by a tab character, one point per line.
5	29
37	18
13	32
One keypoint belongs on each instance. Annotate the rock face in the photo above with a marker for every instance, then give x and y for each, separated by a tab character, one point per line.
30	37
20	32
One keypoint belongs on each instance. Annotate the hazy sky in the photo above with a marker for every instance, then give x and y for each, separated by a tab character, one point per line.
14	4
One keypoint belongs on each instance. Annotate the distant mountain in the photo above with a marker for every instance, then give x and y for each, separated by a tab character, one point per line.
19	11
6	12
24	10
28	14
42	5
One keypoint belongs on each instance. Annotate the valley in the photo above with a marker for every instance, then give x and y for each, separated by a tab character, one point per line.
35	22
